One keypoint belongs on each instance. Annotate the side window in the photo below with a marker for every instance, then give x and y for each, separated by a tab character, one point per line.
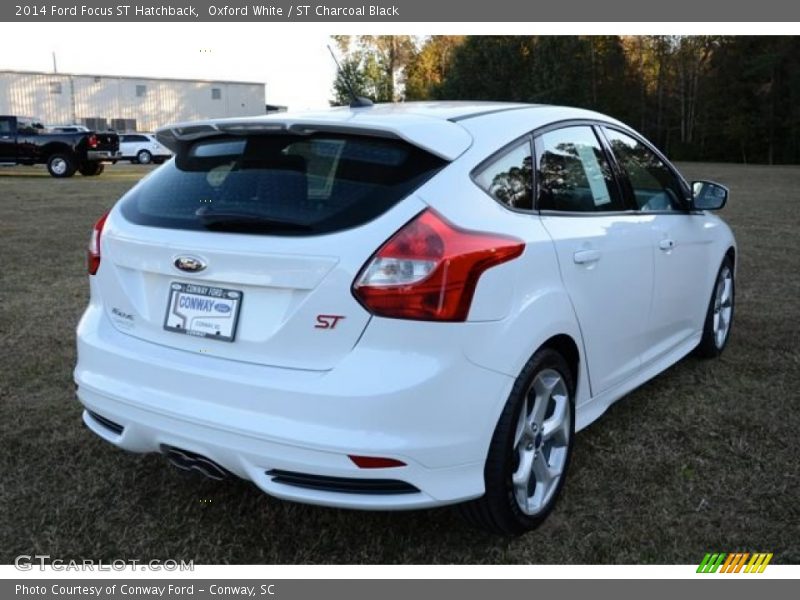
509	178
5	126
124	139
573	174
654	186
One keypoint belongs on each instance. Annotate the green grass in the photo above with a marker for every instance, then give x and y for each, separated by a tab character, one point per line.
703	458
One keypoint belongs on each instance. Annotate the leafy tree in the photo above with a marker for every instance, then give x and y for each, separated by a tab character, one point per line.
381	60
428	68
733	98
351	74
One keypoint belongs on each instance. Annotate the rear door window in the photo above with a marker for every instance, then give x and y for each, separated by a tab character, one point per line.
573	174
280	184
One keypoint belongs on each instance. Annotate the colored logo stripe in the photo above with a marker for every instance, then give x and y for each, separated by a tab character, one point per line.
758	563
734	562
710	563
738	562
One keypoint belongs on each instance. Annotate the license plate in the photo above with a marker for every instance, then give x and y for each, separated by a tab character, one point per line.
203	311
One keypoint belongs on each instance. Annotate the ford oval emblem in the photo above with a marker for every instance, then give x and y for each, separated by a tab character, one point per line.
189	264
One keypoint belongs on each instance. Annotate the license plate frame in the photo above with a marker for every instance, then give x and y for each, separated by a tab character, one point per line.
218	316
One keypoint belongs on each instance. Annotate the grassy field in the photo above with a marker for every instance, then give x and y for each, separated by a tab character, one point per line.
703	458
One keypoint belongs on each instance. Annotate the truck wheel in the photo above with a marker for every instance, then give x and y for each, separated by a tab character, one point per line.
144	157
61	165
90	169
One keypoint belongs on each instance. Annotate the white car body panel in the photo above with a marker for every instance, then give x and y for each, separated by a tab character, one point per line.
683	251
611	292
288	396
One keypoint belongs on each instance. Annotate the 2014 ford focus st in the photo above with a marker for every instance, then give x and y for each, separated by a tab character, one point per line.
397	306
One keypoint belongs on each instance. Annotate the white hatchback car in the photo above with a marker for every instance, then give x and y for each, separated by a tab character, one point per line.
142	149
398	306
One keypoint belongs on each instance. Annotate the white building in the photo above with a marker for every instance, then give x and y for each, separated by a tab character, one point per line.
124	103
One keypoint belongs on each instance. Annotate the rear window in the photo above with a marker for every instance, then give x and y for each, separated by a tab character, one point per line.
279	184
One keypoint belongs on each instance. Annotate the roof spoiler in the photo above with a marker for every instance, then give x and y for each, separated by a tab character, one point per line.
175	136
440	137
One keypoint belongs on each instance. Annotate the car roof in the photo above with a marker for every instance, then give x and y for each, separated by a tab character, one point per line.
446	128
450	110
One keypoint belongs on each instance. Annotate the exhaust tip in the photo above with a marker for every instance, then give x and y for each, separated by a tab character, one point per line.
191	461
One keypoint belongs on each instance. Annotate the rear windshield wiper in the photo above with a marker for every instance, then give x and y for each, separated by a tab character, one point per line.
227	220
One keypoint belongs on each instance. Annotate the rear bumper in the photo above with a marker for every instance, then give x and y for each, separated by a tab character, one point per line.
432	409
101	155
155	155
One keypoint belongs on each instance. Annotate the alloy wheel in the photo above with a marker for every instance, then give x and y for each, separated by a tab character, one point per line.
723	306
541	442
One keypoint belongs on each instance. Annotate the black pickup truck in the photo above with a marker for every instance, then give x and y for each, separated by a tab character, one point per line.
25	141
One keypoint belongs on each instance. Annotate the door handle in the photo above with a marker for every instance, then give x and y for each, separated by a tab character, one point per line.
582	257
666	244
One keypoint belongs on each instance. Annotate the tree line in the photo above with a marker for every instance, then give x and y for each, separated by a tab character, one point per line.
723	98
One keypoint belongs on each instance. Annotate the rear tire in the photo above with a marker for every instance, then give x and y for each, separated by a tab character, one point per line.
91	169
61	165
719	315
530	450
144	157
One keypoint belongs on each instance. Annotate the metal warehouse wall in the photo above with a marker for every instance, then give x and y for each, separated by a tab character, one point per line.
64	98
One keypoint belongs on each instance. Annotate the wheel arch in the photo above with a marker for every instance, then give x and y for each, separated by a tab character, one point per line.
547	320
568	349
731	253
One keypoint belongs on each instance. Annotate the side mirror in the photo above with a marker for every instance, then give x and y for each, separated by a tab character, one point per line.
707	195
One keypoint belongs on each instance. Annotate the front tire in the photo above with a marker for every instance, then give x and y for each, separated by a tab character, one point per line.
530	450
719	315
144	157
61	165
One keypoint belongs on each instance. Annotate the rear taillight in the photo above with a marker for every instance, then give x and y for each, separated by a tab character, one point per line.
92	141
429	270
93	255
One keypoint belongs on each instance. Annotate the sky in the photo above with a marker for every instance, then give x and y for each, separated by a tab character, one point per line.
291	59
298	75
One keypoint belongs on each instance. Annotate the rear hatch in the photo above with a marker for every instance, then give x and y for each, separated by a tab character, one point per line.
246	245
